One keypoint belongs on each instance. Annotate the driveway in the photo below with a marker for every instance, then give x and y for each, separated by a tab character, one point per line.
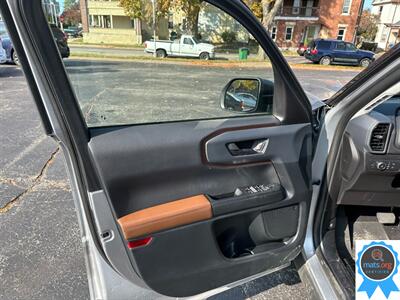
40	249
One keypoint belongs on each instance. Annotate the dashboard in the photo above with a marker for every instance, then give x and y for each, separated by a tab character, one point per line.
370	157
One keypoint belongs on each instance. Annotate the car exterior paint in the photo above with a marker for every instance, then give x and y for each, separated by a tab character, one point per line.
3	56
6	42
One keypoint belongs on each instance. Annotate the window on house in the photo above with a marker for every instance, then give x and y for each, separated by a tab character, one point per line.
184	24
273	33
296	7
341	33
170	21
106	22
346	6
289	33
380	10
94	21
384	34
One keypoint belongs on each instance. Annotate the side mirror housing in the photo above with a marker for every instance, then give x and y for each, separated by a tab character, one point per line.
248	95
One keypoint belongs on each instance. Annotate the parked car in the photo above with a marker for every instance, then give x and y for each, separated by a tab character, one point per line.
3	54
12	57
193	207
301	49
61	40
326	52
73	31
186	46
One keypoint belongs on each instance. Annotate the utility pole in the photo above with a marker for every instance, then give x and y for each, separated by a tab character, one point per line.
360	11
154	27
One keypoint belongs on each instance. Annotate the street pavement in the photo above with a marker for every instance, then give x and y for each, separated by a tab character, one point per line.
40	249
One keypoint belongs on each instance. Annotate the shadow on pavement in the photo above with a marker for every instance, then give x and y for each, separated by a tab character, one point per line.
285	278
10	70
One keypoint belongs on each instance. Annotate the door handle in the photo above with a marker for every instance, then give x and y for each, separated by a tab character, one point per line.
254	147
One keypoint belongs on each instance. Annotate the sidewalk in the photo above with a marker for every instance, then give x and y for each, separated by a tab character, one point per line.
222	60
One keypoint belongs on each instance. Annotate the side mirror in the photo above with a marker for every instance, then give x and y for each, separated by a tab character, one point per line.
247	95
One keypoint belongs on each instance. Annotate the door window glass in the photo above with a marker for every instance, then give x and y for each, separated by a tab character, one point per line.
340	46
323	45
188	41
140	86
3	30
350	47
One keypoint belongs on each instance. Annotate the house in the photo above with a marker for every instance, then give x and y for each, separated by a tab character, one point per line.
299	21
104	21
51	9
389	22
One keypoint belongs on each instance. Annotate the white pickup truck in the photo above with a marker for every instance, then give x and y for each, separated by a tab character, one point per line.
186	46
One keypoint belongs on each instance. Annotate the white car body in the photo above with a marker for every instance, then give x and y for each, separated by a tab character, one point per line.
186	46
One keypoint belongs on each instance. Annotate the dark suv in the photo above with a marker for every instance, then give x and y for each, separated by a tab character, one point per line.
61	40
328	52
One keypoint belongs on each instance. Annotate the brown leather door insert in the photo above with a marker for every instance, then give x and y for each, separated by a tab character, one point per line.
165	216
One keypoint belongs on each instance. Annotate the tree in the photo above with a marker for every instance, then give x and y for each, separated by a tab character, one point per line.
72	15
266	11
191	9
69	3
143	9
368	26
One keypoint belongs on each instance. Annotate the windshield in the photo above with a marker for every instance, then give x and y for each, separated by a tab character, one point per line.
196	40
3	30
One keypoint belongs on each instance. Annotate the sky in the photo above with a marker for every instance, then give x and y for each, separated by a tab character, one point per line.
367	4
62	5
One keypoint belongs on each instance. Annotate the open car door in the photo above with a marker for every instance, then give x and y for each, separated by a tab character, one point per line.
186	204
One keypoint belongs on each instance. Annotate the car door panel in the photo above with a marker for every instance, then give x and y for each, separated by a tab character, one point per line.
131	177
177	264
166	189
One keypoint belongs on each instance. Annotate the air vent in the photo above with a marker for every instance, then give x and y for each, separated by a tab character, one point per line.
379	137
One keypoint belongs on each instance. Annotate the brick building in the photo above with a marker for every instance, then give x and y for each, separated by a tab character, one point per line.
300	21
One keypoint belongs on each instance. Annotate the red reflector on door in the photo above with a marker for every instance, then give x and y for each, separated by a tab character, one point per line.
139	243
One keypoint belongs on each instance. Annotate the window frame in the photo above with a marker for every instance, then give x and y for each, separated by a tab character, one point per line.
274	33
293	102
343	36
348	7
291	32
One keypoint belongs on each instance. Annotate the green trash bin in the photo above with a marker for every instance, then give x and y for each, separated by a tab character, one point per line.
243	53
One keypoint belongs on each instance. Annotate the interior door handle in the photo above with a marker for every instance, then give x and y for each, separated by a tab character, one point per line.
254	147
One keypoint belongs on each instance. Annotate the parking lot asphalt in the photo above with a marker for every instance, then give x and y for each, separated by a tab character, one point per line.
40	249
125	92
